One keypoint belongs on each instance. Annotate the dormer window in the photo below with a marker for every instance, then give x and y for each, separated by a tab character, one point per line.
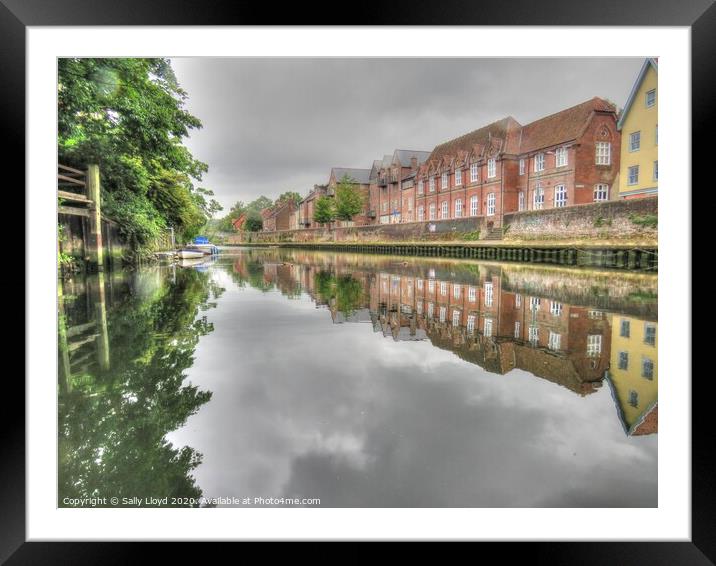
474	176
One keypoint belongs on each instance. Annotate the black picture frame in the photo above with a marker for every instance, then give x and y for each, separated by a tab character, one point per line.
699	15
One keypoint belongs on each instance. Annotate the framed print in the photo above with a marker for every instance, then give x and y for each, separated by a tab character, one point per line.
393	280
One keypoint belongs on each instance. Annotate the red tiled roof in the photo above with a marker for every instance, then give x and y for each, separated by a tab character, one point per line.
649	424
480	137
562	126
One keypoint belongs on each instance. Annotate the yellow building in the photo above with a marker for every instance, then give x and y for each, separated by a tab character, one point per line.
633	373
638	124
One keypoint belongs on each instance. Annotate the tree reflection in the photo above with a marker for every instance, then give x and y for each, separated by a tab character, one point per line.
113	420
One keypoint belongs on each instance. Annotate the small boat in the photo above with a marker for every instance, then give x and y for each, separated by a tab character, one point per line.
194	262
190	254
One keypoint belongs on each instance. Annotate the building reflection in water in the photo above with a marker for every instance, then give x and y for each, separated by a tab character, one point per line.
573	328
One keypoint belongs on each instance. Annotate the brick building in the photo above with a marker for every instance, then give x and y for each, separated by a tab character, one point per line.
279	216
361	179
570	157
307	206
388	178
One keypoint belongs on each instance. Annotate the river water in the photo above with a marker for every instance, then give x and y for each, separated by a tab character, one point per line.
298	378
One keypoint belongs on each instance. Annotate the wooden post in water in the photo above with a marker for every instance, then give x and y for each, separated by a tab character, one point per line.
96	251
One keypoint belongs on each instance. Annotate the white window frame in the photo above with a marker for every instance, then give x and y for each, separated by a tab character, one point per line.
601	192
487	328
533	334
444	210
491	168
456	317
471	323
522	166
561	159
647	102
474	173
421	187
443	288
421	213
594	345
555	308
535	303
444	181
603	153
538	198
518	300
456	290
635	141
458	208
491	204
431	310
554	341
431	211
489	294
633	179
471	294
431	184
518	329
458	177
443	314
521	200
539	162
560	196
474	205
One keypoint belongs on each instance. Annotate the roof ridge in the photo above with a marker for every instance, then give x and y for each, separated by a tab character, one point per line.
569	108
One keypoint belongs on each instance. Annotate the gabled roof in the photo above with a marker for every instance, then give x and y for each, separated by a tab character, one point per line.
374	170
561	126
402	157
360	175
651	62
482	136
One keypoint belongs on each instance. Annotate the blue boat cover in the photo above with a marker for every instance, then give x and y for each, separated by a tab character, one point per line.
201	240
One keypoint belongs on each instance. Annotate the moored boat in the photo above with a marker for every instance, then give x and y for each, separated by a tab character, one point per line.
190	254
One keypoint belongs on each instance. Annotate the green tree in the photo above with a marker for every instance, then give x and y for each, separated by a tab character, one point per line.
289	196
349	199
325	210
129	116
254	221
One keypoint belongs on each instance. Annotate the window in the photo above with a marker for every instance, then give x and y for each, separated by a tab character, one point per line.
656	171
623	360
649	334
474	174
533	334
473	206
560	196
596	315
603	153
443	288
634	141
432	184
432	211
488	294
419	284
518	300
491	204
471	294
534	303
625	328
471	323
458	177
633	175
561	159
601	192
444	210
647	368
488	327
594	345
443	312
522	166
651	98
458	208
421	213
538	199
419	307
491	168
539	162
384	206
633	398
517	329
456	291
455	317
555	308
431	285
421	187
444	184
554	340
521	201
431	307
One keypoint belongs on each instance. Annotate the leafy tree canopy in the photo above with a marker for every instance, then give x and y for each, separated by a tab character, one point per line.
324	210
349	199
129	116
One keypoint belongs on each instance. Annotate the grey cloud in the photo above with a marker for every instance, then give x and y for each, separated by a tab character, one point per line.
272	125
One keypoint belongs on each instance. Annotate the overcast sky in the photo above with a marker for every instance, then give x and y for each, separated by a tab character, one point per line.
272	125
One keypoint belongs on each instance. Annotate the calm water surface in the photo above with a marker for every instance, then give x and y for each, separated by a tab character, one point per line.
359	380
